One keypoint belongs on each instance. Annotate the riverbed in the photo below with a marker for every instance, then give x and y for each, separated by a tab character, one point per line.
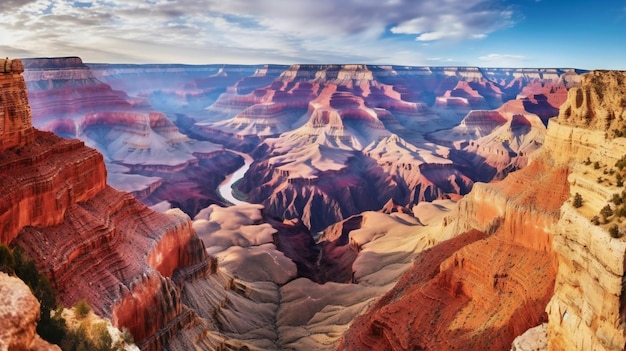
225	189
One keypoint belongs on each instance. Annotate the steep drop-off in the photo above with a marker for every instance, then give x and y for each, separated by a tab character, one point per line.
587	309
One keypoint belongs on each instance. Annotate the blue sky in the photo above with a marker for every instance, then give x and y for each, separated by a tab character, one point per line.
490	33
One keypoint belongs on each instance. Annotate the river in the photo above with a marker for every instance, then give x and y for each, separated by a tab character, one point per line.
225	188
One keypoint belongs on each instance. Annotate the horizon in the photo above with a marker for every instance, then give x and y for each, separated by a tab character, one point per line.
305	64
452	33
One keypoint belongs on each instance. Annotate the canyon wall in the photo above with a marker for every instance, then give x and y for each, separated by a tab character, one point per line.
587	309
19	313
91	241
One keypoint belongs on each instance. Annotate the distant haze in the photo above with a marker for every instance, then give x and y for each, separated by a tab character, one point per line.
494	33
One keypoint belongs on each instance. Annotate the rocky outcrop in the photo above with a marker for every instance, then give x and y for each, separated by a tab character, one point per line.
17	127
587	309
598	104
19	313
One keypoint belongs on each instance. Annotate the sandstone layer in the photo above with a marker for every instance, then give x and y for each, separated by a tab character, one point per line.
145	153
91	241
19	313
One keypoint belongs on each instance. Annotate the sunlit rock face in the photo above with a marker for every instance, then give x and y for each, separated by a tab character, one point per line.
587	309
144	151
19	312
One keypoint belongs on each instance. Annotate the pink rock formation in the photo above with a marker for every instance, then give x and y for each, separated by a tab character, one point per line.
66	86
19	313
142	148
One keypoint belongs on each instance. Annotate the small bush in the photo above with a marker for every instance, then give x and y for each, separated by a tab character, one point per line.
77	340
614	231
587	162
617	199
578	200
596	165
82	309
606	212
595	220
621	163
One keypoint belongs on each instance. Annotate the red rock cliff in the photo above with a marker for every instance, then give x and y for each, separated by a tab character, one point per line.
93	242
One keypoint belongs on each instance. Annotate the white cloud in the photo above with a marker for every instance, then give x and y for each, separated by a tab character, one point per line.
242	31
503	60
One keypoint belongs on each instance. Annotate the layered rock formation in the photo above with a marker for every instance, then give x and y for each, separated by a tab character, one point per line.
345	148
91	241
19	312
532	231
366	127
587	309
64	87
182	88
145	153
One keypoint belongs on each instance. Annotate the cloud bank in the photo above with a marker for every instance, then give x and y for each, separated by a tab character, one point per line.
242	31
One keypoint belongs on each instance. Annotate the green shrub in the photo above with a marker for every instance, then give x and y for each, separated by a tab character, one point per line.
606	212
617	199
621	163
596	165
82	309
578	200
614	231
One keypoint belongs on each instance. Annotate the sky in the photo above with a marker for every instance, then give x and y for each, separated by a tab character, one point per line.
586	34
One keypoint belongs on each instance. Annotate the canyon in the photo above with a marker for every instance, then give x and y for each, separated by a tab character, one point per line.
143	150
384	208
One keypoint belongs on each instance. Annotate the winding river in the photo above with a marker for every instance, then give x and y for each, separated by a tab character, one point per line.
225	188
